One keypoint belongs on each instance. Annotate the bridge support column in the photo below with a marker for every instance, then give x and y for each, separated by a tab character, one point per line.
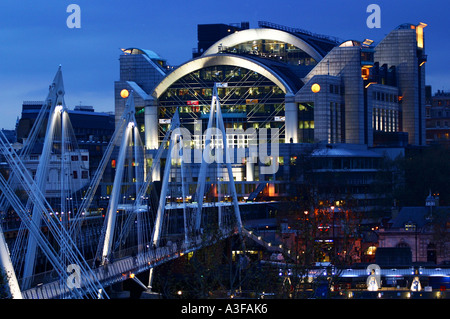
162	199
55	100
249	171
150	279
151	124
7	268
114	200
215	111
291	119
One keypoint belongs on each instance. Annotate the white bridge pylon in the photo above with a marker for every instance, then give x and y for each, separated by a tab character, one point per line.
130	138
215	115
176	153
55	100
131	151
63	251
173	144
111	214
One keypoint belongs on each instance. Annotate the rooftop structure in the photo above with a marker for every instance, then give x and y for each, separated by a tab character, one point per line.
366	95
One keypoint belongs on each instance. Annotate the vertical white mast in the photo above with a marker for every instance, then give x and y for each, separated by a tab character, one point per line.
115	193
56	99
215	111
156	236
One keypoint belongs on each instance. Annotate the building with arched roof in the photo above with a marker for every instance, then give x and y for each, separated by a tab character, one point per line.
255	93
280	78
313	89
363	97
268	42
281	57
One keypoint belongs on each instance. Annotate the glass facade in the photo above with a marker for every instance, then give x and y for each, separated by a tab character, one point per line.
306	122
249	101
275	50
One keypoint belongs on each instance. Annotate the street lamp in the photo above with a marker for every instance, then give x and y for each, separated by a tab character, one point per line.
124	93
315	88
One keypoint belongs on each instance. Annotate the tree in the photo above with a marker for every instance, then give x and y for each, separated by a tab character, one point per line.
439	226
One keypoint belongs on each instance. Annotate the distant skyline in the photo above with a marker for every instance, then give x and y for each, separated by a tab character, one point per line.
35	39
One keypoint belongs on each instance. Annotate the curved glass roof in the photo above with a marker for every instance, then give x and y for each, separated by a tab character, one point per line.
277	73
149	53
350	43
249	35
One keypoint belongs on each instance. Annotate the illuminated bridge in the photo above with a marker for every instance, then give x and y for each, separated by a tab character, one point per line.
87	250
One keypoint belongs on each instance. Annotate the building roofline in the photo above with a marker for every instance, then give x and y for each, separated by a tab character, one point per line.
263	34
221	59
149	53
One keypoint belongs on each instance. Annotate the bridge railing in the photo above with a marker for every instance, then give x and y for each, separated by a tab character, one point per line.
120	269
268	245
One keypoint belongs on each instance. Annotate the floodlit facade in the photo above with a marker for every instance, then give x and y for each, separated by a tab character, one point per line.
140	71
369	94
77	170
314	89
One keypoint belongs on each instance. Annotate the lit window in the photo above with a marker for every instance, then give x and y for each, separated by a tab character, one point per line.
410	226
371	250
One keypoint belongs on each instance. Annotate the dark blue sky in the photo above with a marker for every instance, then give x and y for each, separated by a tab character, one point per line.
35	39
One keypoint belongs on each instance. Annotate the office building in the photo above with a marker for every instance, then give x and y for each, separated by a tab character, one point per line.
343	95
438	118
365	93
92	132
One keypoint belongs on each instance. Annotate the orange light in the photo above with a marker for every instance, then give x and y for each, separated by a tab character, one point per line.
370	83
315	88
365	73
124	93
419	34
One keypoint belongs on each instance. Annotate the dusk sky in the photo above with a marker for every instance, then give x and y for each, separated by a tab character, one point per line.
35	39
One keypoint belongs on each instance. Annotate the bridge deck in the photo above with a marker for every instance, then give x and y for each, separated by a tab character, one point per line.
120	269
